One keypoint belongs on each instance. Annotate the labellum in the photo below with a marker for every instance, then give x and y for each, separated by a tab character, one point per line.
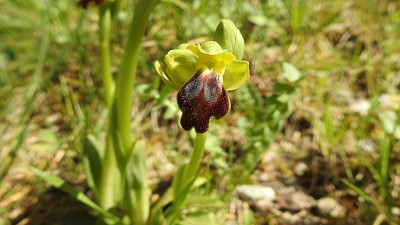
85	3
202	97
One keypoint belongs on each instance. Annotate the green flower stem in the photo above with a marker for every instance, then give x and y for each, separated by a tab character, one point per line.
195	159
105	28
128	69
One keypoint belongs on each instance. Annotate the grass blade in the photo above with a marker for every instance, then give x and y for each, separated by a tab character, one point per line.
77	195
360	192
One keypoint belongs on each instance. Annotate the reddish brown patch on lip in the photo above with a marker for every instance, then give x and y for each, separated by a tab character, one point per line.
202	97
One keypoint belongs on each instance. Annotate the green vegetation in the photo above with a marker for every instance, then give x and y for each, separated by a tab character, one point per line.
324	91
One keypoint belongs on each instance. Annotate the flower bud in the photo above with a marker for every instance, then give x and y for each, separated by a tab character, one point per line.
230	38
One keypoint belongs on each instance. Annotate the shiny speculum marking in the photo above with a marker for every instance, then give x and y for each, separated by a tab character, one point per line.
200	98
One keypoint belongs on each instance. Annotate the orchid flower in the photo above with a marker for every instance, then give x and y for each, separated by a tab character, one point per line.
203	73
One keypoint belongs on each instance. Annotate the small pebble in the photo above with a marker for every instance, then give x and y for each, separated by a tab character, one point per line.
255	193
300	169
330	207
395	211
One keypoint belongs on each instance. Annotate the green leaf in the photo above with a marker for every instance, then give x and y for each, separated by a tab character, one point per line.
178	180
122	154
236	74
164	93
92	162
248	218
258	19
165	199
291	73
285	92
390	122
77	195
47	141
213	146
174	210
136	192
119	149
157	217
230	38
149	91
201	201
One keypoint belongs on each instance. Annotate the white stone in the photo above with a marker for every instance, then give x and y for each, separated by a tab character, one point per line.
330	207
255	193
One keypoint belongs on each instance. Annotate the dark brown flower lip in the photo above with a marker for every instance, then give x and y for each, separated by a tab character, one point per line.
202	97
86	3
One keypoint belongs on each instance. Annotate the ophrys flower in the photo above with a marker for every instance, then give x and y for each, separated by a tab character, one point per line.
203	73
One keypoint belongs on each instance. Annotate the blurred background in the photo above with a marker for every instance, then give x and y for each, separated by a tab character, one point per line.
326	146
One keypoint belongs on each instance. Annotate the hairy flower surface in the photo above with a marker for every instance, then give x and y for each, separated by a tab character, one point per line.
200	98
